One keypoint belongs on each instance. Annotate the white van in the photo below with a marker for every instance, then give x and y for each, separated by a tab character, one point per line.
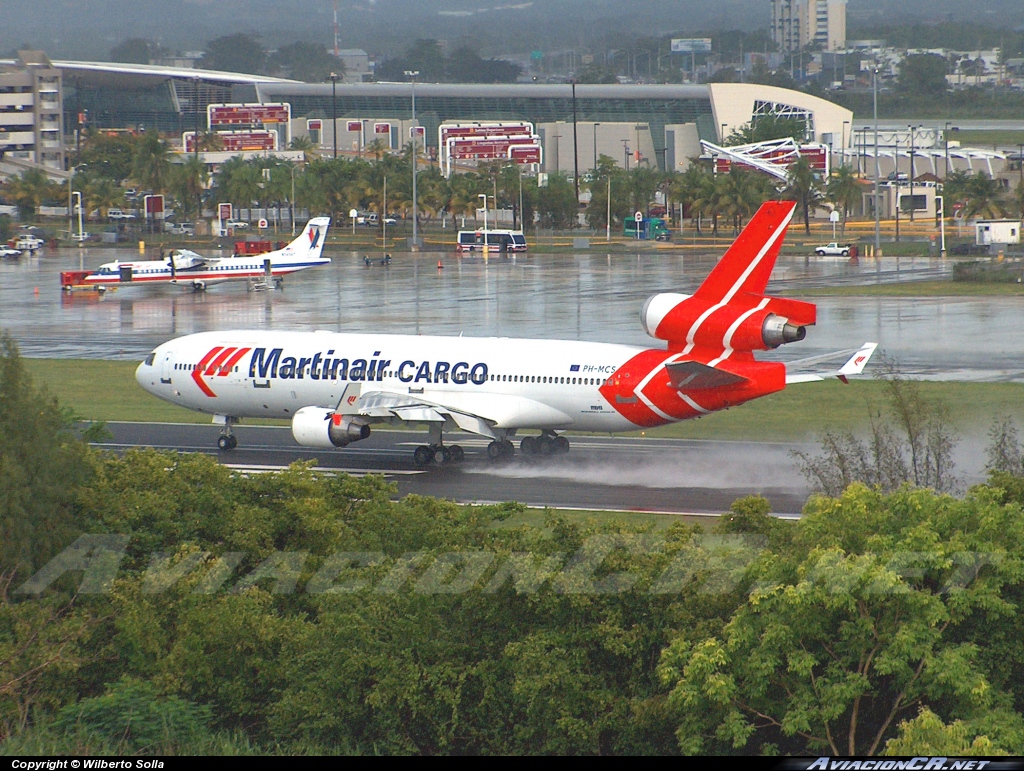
496	240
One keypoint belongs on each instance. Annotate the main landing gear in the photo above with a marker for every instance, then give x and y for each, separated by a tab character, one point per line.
437	452
440	454
547	443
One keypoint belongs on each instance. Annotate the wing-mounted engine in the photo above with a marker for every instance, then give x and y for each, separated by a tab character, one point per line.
746	323
325	429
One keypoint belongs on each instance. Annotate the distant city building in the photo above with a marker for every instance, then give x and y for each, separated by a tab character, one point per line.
357	64
797	24
31	110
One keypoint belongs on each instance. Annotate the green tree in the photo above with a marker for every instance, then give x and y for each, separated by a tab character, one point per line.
982	197
765	128
309	62
108	156
188	183
850	633
804	187
923	74
137	51
29	191
235	53
557	204
844	191
151	163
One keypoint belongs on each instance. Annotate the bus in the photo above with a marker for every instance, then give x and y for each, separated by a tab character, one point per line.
496	240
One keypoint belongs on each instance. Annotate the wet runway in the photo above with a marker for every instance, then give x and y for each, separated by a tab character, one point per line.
583	296
599	473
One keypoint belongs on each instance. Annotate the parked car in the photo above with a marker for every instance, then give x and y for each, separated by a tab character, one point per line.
236	224
833	249
118	214
182	229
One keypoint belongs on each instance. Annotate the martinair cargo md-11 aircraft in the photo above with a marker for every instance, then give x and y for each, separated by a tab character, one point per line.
187	268
333	386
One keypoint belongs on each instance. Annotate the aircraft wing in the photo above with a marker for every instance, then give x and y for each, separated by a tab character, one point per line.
476	413
799	371
186	258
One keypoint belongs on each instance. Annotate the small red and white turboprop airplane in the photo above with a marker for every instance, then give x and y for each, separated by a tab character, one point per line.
187	268
333	386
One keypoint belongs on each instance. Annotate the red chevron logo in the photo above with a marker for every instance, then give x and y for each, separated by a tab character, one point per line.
217	362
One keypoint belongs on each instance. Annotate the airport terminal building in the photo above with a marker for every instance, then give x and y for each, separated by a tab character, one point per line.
659	125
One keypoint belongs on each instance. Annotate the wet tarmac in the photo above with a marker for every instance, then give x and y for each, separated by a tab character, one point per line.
584	296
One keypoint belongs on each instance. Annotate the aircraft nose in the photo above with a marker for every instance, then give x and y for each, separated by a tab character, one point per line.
146	372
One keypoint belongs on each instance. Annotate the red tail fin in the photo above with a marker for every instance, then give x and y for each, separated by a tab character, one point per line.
749	261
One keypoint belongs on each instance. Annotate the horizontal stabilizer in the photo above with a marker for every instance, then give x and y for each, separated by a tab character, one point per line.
694	376
855	363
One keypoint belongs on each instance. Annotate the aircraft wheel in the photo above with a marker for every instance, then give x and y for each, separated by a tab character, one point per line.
495	450
560	445
528	446
422	456
546	447
457	454
508	449
440	455
226	442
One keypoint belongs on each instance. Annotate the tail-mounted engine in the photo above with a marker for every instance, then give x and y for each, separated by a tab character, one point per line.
743	323
324	429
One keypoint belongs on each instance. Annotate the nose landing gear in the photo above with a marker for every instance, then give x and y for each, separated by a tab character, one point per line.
227	439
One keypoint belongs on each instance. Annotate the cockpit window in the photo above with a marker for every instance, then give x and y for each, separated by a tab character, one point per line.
150	359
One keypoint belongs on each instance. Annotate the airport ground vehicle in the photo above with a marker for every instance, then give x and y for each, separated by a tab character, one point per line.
334	386
833	249
651	228
496	240
119	214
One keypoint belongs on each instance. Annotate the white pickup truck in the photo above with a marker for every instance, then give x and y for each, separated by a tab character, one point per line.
833	249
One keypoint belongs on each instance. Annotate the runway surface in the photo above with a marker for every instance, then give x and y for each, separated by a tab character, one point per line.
600	473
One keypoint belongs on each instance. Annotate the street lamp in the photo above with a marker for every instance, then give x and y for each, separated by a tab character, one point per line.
723	133
334	109
595	145
913	129
842	147
484	196
411	74
575	150
625	151
874	100
195	113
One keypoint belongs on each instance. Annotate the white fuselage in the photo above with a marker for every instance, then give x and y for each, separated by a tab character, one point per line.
545	384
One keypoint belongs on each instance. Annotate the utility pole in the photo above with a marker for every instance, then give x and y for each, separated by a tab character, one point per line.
334	110
595	144
912	206
415	160
625	151
874	98
575	149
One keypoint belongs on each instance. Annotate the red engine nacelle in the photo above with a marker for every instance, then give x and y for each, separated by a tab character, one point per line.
745	323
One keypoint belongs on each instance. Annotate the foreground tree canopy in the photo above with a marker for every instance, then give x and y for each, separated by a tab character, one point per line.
169	604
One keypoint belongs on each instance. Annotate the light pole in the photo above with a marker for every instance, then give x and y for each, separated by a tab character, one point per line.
595	145
411	74
575	150
874	100
195	113
945	142
484	196
912	205
293	200
625	152
334	110
842	147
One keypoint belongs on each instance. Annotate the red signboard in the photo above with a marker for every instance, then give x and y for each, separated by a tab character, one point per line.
356	125
381	128
484	130
484	149
238	141
247	114
525	153
314	124
225	212
154	205
417	131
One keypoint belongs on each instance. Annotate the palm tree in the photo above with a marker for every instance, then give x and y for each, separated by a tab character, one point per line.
100	194
982	196
188	181
707	201
29	191
305	144
151	164
843	190
804	188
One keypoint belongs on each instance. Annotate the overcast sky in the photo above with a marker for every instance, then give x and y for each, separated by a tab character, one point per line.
90	28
